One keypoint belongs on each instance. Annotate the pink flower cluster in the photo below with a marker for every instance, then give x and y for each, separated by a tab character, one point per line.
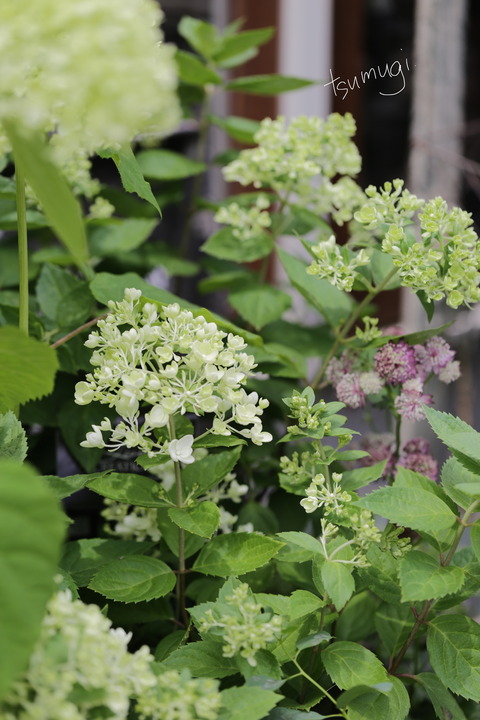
414	455
397	365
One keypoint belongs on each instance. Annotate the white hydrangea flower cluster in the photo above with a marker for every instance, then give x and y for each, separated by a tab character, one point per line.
131	522
172	362
246	629
80	664
321	493
94	73
446	262
336	264
178	696
288	158
246	222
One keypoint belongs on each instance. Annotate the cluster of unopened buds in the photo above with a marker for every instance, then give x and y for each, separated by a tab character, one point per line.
398	366
151	364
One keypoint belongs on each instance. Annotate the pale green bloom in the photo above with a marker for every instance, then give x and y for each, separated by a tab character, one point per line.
93	72
178	696
335	264
244	626
166	361
78	651
246	222
390	204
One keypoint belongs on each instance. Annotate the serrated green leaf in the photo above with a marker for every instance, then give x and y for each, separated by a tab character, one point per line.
453	644
354	479
393	624
332	303
218	441
193	72
226	246
249	702
168	165
13	438
31	530
202	519
413	507
170	533
202	659
349	696
314	640
133	578
303	602
442	701
63	298
260	305
28	368
83	558
283	713
393	705
59	204
454	474
238	128
236	554
302	540
63	487
169	644
128	488
471	489
475	539
458	436
202	475
356	621
119	236
131	174
422	578
381	576
350	664
267	84
338	582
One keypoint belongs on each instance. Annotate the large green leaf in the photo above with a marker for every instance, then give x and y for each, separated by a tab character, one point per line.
131	174
63	298
203	659
458	436
338	582
443	702
239	128
267	84
236	554
57	200
202	519
454	475
393	624
202	36
120	236
453	644
239	703
28	368
260	305
203	474
240	47
412	507
128	488
83	558
31	530
13	438
133	578
168	165
226	246
371	705
423	578
333	304
193	72
350	664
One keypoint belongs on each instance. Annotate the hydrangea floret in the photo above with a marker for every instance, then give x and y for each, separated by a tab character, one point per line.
246	222
335	264
178	696
244	625
154	363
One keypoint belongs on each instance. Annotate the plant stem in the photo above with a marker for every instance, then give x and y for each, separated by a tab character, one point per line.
357	312
426	608
22	249
319	687
181	533
77	331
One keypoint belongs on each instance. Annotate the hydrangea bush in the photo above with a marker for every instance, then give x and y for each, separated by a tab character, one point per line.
242	533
